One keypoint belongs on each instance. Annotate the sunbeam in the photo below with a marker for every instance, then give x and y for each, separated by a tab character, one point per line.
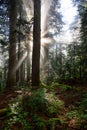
46	39
20	61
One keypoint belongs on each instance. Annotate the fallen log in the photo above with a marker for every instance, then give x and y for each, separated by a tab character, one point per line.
4	111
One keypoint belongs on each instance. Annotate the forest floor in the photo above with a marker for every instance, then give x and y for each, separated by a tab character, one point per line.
72	116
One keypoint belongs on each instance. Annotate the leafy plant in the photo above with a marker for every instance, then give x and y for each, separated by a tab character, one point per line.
35	102
73	114
47	87
83	107
52	123
20	119
38	122
2	85
17	115
83	102
54	104
64	87
54	107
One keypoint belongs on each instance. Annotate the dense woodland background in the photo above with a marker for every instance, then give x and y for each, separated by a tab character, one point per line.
20	35
36	64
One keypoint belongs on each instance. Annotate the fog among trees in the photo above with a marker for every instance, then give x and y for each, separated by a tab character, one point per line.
42	45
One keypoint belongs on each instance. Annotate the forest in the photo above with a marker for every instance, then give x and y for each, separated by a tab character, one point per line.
43	65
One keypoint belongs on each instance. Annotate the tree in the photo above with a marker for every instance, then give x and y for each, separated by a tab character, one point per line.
36	44
55	18
82	9
11	81
4	27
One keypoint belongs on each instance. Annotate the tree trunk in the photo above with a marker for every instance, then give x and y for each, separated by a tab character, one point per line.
11	80
46	63
28	64
19	46
22	71
36	44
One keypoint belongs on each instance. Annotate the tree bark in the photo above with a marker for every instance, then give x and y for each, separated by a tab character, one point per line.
28	64
36	44
11	80
22	70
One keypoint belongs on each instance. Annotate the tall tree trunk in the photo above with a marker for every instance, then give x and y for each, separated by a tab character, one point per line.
22	68
28	64
19	46
11	80
36	44
60	60
18	70
46	62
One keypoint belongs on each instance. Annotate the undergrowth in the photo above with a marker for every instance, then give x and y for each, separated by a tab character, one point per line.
42	109
36	111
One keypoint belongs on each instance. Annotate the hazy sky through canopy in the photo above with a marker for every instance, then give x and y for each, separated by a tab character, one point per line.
69	12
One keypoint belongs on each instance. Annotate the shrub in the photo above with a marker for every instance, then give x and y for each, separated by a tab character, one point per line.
54	104
18	116
73	114
35	102
52	123
38	122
